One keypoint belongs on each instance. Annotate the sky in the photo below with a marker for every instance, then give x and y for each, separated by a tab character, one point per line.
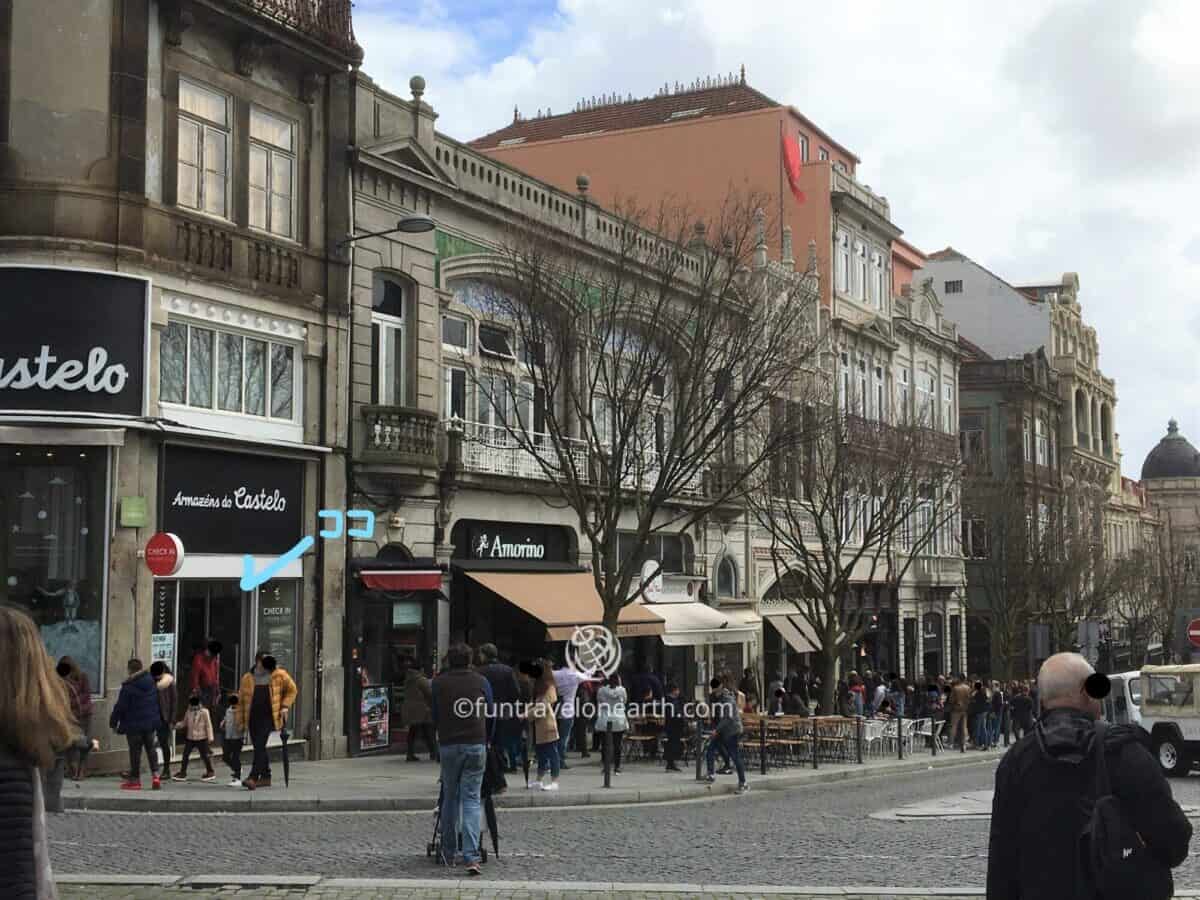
1035	137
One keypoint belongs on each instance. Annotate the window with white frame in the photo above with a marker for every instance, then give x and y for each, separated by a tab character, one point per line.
822	153
926	399
1026	439
1043	448
456	393
456	333
974	538
903	399
492	399
726	578
860	271
863	395
880	395
948	407
202	169
272	173
228	372
803	141
843	262
389	303
878	280
844	394
972	438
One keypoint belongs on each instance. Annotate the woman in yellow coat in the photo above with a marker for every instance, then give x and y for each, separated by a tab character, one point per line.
265	698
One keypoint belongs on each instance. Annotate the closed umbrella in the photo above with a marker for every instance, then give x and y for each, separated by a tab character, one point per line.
283	738
489	813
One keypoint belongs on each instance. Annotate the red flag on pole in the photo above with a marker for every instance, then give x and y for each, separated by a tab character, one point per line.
791	165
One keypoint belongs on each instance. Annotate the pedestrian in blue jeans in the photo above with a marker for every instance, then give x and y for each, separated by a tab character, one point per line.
461	699
728	728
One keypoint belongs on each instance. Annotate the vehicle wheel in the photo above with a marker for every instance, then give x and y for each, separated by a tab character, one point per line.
1172	758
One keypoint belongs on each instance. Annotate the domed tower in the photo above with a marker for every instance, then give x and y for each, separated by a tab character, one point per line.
1173	457
1171	477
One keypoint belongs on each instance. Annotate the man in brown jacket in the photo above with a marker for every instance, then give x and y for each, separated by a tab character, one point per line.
960	700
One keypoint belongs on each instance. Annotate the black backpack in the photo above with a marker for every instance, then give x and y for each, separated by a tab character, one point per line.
1115	859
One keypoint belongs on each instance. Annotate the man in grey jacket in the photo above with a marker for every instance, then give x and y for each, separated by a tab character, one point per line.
727	728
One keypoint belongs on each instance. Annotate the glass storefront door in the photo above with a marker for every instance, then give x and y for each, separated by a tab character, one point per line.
244	623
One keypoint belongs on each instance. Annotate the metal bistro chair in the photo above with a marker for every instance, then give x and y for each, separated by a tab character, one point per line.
873	734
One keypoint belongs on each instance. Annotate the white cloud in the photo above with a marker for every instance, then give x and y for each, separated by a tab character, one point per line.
1036	137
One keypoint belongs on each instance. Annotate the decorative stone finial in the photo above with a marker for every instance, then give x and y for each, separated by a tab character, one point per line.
787	247
742	77
582	183
416	84
1172	427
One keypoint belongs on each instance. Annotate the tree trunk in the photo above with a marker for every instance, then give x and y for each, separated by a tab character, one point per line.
829	685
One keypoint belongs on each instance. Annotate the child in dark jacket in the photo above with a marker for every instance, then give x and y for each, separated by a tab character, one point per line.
136	715
231	740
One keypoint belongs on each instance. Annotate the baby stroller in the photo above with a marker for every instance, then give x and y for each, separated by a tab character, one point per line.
433	849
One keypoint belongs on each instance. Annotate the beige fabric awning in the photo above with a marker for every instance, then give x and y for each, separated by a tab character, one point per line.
795	631
564	601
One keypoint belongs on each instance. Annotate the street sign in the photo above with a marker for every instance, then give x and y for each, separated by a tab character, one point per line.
1193	632
164	554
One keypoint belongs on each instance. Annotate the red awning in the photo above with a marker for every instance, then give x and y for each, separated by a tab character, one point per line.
411	580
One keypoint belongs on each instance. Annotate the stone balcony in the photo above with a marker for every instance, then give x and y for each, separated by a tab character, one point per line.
868	435
400	436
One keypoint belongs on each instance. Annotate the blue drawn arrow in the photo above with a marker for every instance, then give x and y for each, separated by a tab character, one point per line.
252	579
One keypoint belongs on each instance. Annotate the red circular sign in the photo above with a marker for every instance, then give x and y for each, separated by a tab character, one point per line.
164	554
1193	632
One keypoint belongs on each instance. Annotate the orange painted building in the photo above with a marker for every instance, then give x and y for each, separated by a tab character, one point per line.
694	146
907	260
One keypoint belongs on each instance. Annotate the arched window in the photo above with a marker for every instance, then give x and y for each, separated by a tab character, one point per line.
389	300
726	578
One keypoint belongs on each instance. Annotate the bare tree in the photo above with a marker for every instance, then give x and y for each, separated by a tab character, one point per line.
1136	596
997	541
627	370
852	504
1176	563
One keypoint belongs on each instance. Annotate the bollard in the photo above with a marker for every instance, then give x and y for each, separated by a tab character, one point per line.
814	747
858	736
762	746
699	739
608	754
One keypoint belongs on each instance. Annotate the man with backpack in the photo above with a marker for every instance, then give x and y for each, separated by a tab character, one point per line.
1057	832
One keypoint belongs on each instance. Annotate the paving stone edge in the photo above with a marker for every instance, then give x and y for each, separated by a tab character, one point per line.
516	797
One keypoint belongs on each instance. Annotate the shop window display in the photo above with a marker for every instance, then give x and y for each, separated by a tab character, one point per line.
52	505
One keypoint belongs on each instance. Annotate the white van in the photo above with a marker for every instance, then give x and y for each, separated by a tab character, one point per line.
1123	706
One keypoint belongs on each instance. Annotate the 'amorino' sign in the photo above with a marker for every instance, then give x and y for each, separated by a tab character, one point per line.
479	539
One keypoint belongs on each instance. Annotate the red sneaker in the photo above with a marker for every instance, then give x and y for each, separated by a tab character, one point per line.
156	783
131	785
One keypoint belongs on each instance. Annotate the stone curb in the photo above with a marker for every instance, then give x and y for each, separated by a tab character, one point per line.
566	888
516	797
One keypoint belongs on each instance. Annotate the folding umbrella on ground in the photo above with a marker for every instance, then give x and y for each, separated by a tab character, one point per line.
287	772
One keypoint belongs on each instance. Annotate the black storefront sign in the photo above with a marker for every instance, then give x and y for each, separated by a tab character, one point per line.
72	341
219	502
478	539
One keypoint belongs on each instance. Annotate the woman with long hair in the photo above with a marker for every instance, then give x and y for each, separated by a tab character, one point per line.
79	692
545	726
35	726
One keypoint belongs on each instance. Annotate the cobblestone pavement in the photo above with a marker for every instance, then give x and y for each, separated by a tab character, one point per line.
382	892
818	835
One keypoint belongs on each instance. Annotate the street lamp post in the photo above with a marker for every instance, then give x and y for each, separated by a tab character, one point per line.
405	225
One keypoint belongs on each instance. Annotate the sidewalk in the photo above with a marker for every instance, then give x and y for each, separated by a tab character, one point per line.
387	783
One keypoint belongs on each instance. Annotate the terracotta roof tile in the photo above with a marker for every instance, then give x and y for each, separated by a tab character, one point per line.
682	106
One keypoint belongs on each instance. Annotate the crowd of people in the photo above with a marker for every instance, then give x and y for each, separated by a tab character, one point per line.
978	713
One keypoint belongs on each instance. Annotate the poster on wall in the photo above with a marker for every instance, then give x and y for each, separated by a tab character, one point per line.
375	717
162	646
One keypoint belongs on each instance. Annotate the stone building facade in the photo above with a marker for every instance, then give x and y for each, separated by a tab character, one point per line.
172	193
